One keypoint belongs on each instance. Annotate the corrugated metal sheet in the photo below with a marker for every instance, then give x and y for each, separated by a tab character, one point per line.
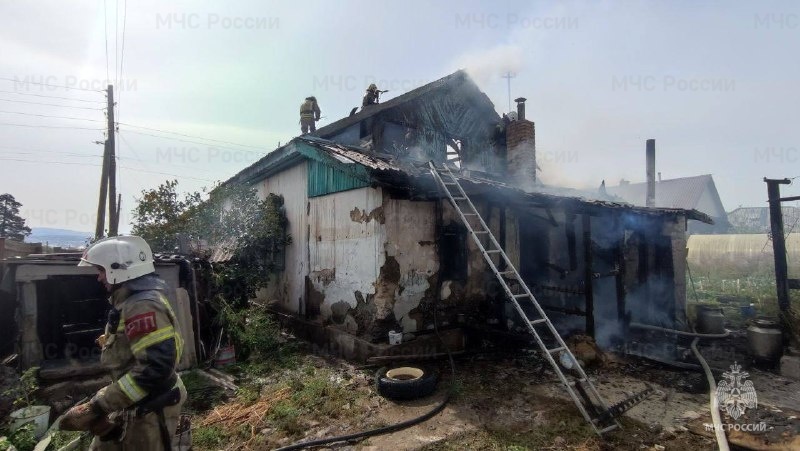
674	193
348	155
325	179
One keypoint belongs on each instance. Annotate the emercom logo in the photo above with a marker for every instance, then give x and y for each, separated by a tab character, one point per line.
736	394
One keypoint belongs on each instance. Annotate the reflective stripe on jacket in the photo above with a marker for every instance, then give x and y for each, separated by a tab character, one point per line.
143	344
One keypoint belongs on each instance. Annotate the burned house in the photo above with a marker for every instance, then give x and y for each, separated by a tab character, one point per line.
377	247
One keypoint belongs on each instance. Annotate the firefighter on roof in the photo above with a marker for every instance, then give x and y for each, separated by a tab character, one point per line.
309	114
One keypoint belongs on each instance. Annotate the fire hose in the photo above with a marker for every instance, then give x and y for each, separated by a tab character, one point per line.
719	433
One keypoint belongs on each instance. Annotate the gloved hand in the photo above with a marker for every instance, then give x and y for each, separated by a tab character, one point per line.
106	429
81	417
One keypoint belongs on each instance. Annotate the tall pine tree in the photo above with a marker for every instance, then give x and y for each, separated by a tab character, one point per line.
11	224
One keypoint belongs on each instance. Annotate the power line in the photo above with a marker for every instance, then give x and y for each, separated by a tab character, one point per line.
56	117
27	150
105	28
122	55
135	153
52	104
116	43
100	165
144	163
65	154
49	84
187	141
183	134
52	97
50	126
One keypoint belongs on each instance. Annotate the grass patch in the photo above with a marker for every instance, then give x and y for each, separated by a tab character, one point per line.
22	438
286	417
202	394
61	439
208	437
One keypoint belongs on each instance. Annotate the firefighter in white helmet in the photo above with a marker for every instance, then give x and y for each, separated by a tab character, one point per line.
141	347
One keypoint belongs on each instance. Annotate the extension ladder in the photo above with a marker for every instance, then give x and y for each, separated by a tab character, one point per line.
590	403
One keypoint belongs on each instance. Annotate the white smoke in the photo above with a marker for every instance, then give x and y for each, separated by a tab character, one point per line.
488	65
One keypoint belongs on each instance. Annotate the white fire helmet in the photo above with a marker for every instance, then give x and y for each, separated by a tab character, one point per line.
123	258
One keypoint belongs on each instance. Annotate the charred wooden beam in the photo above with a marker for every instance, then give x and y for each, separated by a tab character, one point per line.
619	259
588	274
569	226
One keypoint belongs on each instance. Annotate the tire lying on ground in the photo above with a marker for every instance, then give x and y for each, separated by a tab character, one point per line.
405	382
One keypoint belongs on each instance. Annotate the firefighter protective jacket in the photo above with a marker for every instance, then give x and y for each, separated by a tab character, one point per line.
141	346
309	110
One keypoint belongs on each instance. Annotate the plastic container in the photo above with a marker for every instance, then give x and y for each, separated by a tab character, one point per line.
710	320
765	340
225	356
748	311
38	415
395	338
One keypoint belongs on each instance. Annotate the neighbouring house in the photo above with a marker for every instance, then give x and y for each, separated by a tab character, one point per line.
690	193
11	248
375	246
756	219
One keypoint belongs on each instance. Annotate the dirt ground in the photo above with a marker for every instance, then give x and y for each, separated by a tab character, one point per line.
511	400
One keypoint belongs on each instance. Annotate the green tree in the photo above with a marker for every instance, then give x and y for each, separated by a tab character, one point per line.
11	224
161	215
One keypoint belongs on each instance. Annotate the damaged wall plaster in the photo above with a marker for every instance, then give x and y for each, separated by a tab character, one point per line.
345	251
410	226
289	288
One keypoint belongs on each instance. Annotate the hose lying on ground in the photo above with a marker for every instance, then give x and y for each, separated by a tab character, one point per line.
678	332
722	441
392	427
719	433
385	429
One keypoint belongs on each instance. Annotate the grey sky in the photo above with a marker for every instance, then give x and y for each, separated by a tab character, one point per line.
715	83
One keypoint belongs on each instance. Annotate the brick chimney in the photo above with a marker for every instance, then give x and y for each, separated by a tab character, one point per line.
521	149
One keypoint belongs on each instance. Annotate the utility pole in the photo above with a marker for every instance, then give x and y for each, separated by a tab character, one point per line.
778	241
101	204
113	211
509	75
108	178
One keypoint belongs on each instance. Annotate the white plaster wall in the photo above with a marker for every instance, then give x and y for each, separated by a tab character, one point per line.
289	288
410	228
353	248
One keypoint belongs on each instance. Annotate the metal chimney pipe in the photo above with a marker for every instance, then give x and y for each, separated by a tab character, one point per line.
651	172
520	107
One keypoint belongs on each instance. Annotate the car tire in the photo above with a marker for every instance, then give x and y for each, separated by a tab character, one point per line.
405	382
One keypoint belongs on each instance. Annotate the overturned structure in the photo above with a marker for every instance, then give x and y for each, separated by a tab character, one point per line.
377	247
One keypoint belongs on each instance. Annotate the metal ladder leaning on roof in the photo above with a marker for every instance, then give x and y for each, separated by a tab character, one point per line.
603	421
